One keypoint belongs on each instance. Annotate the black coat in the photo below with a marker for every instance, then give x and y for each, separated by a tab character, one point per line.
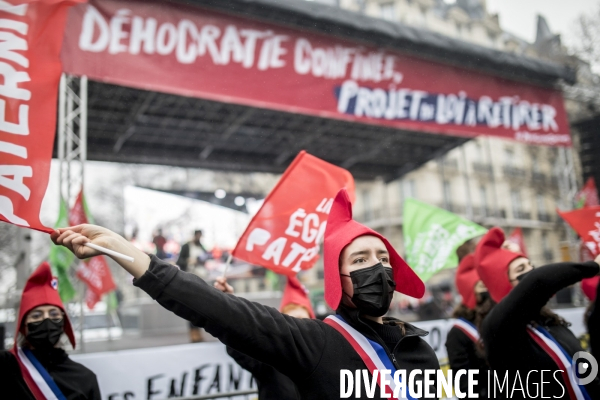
509	347
310	352
272	384
74	380
593	325
463	354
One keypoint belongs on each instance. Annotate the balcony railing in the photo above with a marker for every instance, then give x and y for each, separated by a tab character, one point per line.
450	163
513	172
521	215
484	169
539	178
545	217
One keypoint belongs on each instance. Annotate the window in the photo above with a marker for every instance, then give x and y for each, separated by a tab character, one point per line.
366	200
509	156
387	11
483	199
515	199
541	204
408	189
447	194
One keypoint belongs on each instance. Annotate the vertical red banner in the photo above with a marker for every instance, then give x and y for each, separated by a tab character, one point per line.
31	35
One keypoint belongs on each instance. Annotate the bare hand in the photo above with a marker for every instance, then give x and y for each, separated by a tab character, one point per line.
597	259
75	237
223	286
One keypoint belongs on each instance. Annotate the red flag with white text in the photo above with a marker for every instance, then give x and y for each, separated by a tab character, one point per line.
95	271
32	34
586	222
286	233
517	237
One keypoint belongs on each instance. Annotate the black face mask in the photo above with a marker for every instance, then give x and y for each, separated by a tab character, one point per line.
482	297
44	334
373	289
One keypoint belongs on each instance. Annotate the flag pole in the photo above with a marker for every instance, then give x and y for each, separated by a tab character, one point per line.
109	252
227	263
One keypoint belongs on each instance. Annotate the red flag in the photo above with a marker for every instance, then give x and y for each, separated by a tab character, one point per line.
586	222
588	195
91	299
96	274
30	68
95	271
286	233
77	215
517	238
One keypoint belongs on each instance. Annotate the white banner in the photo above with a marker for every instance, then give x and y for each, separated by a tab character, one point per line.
163	372
205	368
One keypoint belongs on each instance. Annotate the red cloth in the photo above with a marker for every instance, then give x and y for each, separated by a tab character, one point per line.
466	278
589	285
586	222
296	293
492	263
42	289
341	231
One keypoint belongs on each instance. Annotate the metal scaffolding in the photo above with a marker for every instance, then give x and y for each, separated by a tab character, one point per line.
72	135
72	153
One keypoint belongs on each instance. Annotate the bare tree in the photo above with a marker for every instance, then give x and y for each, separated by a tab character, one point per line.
587	31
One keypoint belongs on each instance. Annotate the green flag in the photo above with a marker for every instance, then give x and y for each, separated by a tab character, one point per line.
60	259
432	235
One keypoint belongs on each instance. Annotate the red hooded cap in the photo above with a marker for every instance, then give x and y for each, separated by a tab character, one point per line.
588	286
296	293
492	263
42	289
340	232
466	278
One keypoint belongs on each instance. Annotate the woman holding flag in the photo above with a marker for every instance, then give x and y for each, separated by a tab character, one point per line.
463	338
362	270
521	336
36	367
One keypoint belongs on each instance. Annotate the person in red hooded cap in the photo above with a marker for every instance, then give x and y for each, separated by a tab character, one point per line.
463	338
362	270
36	367
590	288
521	336
271	383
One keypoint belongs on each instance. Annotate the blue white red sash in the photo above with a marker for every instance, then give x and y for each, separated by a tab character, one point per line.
545	340
467	328
373	355
38	380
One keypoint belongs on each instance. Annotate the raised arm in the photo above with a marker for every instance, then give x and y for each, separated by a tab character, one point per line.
291	345
525	300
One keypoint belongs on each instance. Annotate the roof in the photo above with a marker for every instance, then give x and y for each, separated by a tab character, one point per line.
335	21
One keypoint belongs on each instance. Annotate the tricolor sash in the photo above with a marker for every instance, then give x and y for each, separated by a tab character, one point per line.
38	380
468	328
545	340
373	355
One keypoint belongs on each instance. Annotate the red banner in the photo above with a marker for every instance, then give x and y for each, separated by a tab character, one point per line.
94	271
286	233
586	222
31	35
196	52
517	238
588	195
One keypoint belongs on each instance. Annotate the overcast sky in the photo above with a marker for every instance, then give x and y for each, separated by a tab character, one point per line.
520	16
